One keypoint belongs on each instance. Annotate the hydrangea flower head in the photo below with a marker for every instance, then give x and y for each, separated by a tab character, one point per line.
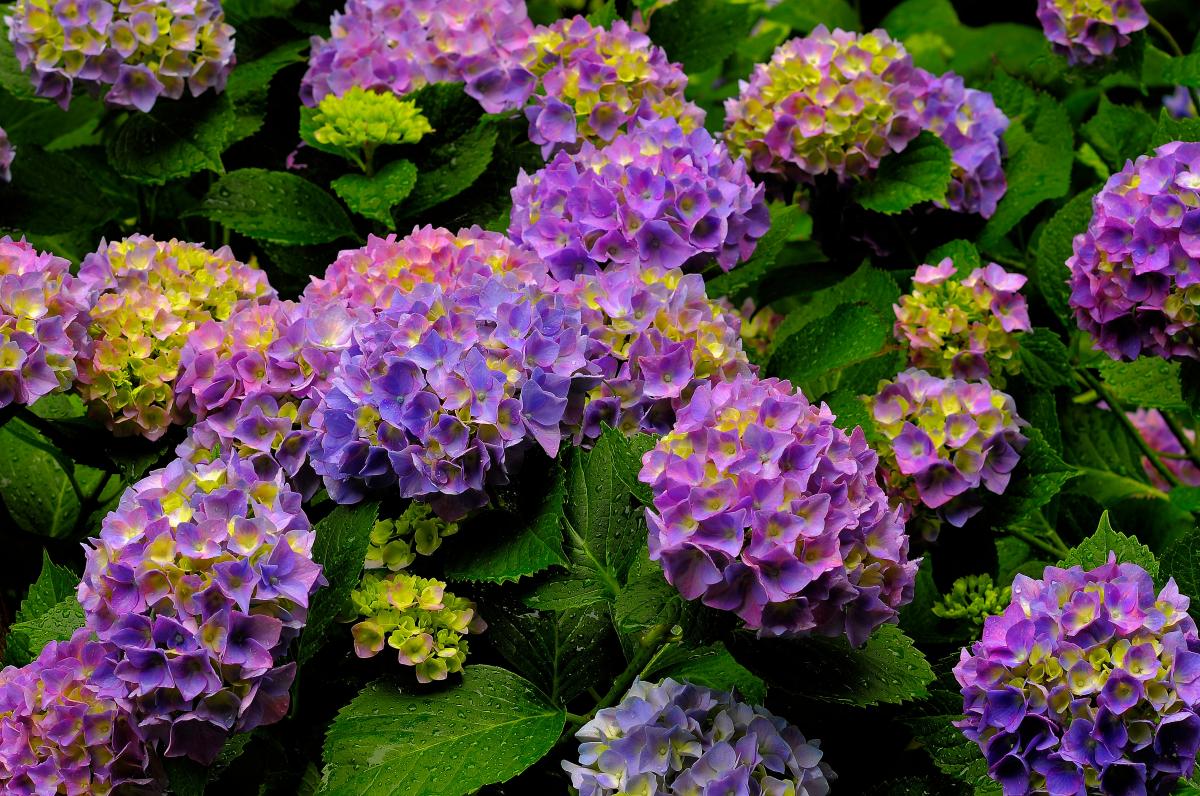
1086	31
828	102
965	328
396	543
972	599
1158	435
418	618
969	122
360	118
398	46
674	737
655	196
947	438
43	322
66	725
7	153
133	51
594	82
200	579
152	295
763	507
1135	271
1087	683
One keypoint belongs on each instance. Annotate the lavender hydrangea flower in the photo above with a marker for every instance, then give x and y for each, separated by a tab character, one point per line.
43	322
828	102
65	725
965	328
134	51
1086	31
593	83
1158	435
1179	103
402	45
947	438
152	295
674	737
417	617
969	122
655	196
7	153
1088	682
763	507
200	579
1134	271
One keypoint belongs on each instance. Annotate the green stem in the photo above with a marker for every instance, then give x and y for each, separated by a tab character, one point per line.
1119	412
1054	548
1185	442
1162	31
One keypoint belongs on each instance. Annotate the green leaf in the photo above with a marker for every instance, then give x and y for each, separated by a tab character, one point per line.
627	453
275	206
852	346
1160	69
250	83
1171	129
55	584
867	286
1093	551
1040	476
712	667
488	729
887	670
34	484
701	33
340	548
1186	498
374	197
964	254
26	639
1044	359
186	777
1148	381
1050	272
49	187
464	161
951	751
804	15
1181	561
1119	132
605	15
505	556
178	139
742	281
1109	462
920	173
646	598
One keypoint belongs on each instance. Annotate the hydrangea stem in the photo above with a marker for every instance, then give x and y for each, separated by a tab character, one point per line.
1185	442
1115	406
1176	50
1054	546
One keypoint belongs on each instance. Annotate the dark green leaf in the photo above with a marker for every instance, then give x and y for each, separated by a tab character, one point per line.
804	15
26	639
35	487
838	349
701	33
55	584
275	206
605	15
920	173
1094	551
1050	272
646	599
488	729
375	196
952	752
712	667
741	281
1039	477
1119	132
178	139
1149	381
1181	561
465	159
1171	129
1044	359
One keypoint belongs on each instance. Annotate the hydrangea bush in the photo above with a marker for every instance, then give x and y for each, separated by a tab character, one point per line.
566	396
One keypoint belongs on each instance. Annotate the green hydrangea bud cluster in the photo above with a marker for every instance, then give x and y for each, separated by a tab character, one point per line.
418	618
361	118
972	599
395	544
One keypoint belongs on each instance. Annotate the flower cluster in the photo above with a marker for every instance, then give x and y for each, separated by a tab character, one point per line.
763	507
152	296
1135	270
593	83
1088	680
973	127
654	337
418	618
655	196
43	322
7	153
676	737
139	49
432	394
947	437
828	102
395	544
199	580
972	599
962	328
387	269
1158	435
399	46
1086	31
65	724
360	118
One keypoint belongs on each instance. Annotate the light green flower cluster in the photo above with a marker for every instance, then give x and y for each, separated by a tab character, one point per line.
418	618
367	119
395	544
972	599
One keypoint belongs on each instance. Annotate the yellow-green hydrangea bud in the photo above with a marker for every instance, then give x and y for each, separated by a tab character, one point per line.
395	544
361	118
972	599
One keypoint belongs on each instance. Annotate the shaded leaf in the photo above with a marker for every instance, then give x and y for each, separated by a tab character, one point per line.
375	196
920	173
712	667
178	139
701	33
275	206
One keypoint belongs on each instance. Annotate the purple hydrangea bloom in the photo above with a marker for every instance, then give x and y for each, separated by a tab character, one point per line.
65	725
1158	435
402	45
43	322
656	196
828	102
134	51
200	580
593	83
1134	271
7	153
673	737
947	438
973	127
763	507
1086	31
1089	682
1179	103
